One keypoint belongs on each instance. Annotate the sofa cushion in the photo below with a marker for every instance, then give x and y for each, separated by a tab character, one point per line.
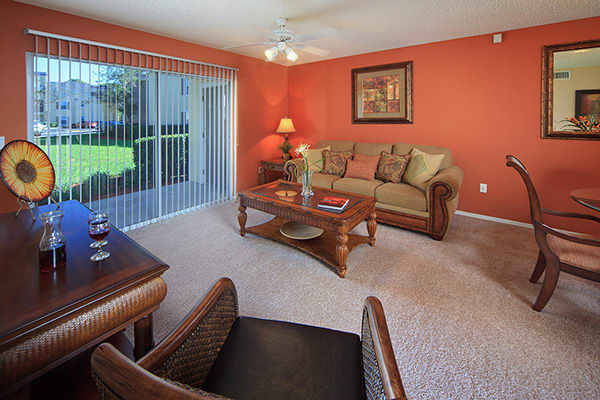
401	195
391	167
263	359
335	162
315	158
360	186
372	149
337	145
421	168
405	148
362	167
322	180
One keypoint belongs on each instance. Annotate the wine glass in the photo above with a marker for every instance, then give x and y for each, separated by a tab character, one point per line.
99	228
96	244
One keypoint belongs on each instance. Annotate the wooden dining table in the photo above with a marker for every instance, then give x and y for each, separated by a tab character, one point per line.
589	197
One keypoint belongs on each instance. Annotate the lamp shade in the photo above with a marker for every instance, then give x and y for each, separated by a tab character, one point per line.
286	126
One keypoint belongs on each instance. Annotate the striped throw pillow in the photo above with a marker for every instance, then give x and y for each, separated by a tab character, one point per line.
362	167
421	168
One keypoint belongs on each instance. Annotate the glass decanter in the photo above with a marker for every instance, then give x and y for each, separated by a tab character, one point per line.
53	251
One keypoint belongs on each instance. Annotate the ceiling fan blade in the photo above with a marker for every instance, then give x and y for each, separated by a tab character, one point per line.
246	45
312	50
305	37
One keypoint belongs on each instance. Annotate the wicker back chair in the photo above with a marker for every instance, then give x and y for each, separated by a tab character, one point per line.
191	360
558	251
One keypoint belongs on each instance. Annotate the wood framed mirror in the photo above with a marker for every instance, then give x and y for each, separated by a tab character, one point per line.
571	90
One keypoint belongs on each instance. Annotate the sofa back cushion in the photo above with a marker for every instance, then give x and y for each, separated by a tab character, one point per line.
405	148
372	149
336	145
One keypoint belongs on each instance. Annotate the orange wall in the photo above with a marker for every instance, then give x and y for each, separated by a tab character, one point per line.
479	99
262	86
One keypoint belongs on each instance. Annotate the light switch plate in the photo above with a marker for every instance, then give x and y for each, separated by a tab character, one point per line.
483	187
497	38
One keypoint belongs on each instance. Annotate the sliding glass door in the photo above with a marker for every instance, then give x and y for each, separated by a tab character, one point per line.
143	139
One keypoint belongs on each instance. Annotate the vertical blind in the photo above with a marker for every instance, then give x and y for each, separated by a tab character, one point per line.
140	135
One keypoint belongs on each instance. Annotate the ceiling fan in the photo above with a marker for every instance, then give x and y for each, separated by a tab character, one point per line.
284	42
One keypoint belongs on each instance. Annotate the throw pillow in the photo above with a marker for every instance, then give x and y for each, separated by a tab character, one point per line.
362	167
315	158
335	162
421	168
391	167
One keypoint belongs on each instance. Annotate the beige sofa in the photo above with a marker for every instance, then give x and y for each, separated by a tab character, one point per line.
399	204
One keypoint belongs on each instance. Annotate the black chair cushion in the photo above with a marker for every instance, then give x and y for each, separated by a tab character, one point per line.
264	359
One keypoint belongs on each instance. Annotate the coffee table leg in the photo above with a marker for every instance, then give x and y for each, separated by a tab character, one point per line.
143	337
341	253
242	216
372	227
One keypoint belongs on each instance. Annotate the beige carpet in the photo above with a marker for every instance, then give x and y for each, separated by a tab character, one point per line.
458	310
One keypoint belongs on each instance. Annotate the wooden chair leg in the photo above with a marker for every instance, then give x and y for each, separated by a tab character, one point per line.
540	266
550	279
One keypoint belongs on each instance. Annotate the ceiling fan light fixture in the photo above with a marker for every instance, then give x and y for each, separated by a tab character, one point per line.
271	53
291	54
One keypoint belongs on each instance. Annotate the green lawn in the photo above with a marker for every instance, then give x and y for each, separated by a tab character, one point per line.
98	155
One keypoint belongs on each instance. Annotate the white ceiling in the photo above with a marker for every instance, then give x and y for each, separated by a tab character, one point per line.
363	25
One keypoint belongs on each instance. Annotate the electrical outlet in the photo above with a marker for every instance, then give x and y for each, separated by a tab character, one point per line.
483	187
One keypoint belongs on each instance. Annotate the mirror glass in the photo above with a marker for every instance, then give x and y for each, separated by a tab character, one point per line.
576	89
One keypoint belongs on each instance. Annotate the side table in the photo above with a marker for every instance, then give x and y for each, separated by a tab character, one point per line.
275	165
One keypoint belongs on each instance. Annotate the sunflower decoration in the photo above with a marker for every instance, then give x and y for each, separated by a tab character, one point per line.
27	171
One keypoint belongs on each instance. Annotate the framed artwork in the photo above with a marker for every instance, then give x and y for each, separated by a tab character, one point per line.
587	103
382	94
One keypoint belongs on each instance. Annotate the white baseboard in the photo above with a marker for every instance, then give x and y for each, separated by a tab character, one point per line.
507	221
495	219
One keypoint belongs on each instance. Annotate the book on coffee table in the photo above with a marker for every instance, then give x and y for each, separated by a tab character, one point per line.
332	203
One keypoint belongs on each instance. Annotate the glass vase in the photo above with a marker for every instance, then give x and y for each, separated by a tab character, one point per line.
53	254
307	183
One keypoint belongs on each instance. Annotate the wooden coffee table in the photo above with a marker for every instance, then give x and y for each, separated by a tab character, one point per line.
49	318
333	246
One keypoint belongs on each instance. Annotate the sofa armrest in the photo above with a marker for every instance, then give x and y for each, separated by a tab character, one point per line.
452	176
187	354
293	168
381	376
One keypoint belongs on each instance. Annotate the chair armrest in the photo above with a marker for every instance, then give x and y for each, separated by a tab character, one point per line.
452	176
570	215
293	168
117	377
382	379
570	238
187	354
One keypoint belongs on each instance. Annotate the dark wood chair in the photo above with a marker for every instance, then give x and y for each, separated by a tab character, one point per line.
577	255
214	353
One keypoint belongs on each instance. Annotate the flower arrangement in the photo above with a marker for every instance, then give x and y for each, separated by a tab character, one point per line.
582	123
302	150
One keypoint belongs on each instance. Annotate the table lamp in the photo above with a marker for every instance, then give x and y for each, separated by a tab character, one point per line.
286	126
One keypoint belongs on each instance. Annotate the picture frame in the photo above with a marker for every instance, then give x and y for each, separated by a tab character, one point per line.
587	102
382	94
